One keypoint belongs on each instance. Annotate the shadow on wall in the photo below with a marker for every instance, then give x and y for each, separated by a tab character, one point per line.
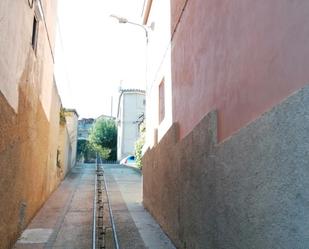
28	160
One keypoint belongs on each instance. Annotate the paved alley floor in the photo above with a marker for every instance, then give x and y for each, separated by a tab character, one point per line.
136	229
66	219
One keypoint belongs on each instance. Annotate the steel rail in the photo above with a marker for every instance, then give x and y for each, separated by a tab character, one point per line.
94	222
116	243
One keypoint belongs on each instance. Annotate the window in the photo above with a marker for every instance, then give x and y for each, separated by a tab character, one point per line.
161	102
35	30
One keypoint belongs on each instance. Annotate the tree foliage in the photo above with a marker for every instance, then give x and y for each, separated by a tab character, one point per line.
139	146
103	138
85	152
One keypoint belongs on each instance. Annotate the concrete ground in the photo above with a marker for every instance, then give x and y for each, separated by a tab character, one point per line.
135	227
65	221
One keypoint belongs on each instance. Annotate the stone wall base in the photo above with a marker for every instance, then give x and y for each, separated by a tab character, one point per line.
249	191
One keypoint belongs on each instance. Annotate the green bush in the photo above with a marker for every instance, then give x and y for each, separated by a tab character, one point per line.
85	152
139	146
103	138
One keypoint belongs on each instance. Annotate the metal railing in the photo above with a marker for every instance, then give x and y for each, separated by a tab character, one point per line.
99	228
103	161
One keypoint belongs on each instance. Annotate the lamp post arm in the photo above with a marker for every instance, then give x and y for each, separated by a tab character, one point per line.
143	27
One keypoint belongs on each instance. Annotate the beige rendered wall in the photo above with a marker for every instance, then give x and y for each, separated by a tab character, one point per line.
64	152
15	28
72	124
29	124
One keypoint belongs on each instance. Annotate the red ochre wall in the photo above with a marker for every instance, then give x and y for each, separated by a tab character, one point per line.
239	57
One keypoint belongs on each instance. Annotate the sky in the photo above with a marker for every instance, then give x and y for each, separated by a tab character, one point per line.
95	55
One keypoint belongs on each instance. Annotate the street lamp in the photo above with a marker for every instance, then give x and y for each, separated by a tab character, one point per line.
146	29
125	20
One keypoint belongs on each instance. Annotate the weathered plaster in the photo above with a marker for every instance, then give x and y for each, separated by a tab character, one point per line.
71	117
16	20
29	127
249	191
15	28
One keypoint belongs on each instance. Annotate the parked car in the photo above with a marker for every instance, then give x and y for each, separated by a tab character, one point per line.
129	161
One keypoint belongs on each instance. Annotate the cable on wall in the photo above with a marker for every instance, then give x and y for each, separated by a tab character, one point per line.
47	33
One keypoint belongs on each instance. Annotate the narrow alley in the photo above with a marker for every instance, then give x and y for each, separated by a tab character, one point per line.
154	124
66	219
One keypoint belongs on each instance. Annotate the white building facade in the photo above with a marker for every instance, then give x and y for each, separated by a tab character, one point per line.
131	109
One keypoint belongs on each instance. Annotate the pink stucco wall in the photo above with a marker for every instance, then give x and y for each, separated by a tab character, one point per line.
240	57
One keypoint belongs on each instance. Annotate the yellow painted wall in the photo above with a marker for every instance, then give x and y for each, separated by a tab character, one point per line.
29	123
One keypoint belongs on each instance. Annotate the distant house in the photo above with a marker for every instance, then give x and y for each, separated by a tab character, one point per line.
103	116
131	109
84	126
